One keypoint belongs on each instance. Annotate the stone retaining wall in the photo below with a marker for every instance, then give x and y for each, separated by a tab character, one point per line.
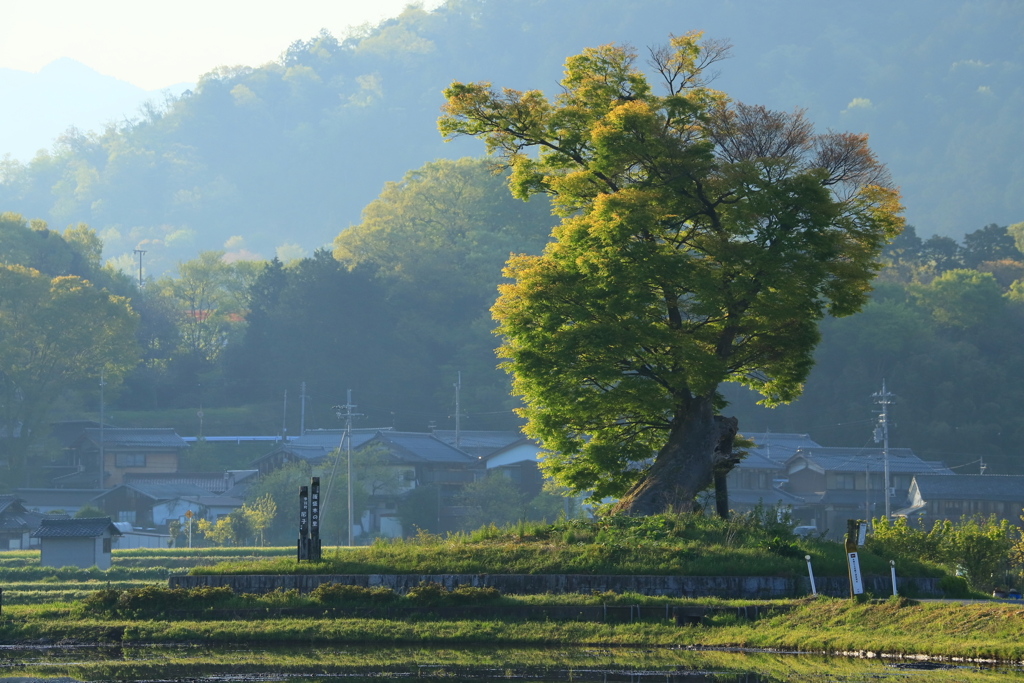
741	587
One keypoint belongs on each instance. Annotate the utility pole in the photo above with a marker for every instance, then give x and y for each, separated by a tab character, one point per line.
346	439
982	466
458	410
302	412
140	252
284	418
884	399
99	475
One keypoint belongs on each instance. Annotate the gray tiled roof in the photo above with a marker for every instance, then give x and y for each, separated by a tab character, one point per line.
317	444
88	527
330	438
6	501
478	442
1001	487
778	447
14	517
418	447
859	460
161	437
161	491
753	460
58	497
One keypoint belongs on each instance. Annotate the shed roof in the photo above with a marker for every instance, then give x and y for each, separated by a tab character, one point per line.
132	437
87	527
998	487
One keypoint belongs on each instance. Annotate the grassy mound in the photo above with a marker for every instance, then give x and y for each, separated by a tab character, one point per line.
755	544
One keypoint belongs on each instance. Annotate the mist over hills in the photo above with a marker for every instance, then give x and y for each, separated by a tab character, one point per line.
62	94
282	157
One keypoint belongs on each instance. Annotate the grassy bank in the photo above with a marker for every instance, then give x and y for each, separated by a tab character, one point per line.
690	545
987	631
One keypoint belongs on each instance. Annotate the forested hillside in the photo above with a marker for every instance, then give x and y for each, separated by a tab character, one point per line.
279	158
944	330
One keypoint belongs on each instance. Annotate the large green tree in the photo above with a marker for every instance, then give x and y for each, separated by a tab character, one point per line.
701	242
54	335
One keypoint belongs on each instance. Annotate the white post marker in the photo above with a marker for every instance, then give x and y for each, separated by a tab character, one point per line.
855	578
862	533
892	568
810	574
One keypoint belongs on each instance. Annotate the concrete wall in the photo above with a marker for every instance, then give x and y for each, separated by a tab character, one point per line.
743	587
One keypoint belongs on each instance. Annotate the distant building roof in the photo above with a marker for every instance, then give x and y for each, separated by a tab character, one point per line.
88	527
214	501
478	442
14	517
778	447
419	447
756	461
996	487
901	460
132	437
159	492
74	498
69	431
214	482
316	444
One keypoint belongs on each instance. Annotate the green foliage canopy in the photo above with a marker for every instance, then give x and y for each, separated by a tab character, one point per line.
55	333
701	241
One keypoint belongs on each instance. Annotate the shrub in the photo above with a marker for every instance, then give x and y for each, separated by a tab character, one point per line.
337	593
429	593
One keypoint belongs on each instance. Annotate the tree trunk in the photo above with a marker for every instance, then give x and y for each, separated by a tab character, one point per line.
699	446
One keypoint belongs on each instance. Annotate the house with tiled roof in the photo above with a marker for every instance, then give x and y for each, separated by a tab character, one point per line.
758	478
312	447
936	498
82	543
838	484
153	505
418	459
125	450
505	453
16	523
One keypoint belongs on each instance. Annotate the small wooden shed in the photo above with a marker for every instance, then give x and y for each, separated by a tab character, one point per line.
76	542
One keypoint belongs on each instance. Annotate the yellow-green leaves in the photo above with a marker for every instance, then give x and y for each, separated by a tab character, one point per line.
701	242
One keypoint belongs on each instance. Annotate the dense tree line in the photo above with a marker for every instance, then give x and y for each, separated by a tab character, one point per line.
394	322
944	329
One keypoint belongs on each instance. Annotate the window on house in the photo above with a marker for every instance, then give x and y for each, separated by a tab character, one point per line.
106	546
846	481
126	516
130	460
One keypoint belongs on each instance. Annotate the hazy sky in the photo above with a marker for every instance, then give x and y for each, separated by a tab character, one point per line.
155	44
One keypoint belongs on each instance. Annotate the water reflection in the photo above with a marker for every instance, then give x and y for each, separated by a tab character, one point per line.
167	664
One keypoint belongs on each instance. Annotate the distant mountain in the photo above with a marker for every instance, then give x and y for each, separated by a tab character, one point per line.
41	106
282	157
